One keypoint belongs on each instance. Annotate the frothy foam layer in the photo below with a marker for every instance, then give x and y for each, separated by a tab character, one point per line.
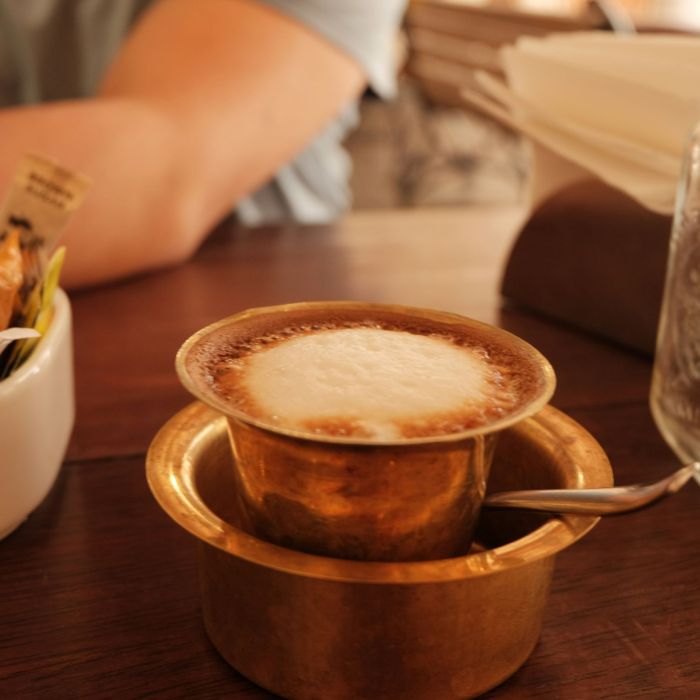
366	382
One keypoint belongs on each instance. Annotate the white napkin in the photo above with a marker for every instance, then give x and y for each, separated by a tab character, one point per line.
618	106
9	335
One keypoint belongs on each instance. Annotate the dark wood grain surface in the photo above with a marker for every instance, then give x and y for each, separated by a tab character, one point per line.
98	588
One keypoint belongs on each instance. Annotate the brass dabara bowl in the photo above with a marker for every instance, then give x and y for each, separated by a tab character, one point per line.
310	627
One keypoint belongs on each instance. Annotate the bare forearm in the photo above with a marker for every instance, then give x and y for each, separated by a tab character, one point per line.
202	105
249	87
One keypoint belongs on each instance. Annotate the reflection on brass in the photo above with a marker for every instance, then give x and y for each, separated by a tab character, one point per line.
408	500
379	503
315	628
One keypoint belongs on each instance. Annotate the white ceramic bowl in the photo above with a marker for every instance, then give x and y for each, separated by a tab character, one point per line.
37	411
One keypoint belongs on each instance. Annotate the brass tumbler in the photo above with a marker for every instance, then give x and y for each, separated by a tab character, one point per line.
409	499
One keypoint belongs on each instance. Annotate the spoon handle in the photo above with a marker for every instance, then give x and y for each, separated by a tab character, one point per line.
606	501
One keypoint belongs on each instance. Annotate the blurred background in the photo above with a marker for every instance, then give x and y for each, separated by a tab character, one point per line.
426	148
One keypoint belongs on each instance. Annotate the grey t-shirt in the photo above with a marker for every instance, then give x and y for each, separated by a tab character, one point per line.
59	49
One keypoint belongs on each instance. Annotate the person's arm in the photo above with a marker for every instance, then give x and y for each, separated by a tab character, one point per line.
205	101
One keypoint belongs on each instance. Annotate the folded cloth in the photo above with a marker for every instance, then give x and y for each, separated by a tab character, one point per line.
618	106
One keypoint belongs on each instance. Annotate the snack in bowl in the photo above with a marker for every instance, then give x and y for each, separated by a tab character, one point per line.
41	199
10	275
36	358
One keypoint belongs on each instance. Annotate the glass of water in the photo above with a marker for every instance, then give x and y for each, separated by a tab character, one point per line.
675	390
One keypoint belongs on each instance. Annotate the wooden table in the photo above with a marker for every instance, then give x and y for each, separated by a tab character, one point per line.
98	589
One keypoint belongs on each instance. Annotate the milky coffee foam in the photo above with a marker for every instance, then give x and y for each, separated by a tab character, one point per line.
366	381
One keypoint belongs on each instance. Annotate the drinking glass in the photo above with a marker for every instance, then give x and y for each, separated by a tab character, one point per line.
675	389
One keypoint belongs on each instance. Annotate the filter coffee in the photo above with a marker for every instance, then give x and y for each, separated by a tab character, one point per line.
374	380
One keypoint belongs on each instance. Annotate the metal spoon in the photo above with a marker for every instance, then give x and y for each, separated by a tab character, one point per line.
606	501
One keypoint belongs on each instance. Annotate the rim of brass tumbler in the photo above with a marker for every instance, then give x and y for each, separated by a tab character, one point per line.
543	379
316	628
